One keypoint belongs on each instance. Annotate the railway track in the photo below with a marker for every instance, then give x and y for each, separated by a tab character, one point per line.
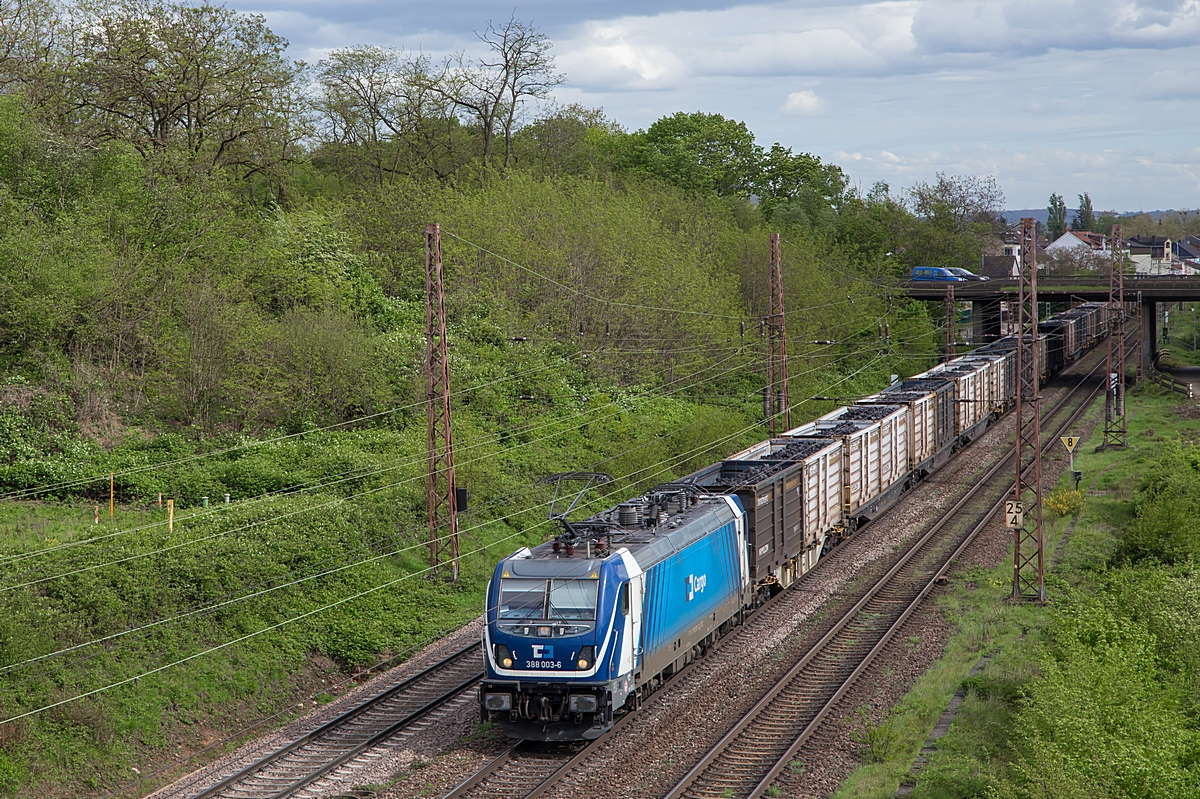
744	762
527	769
759	747
297	769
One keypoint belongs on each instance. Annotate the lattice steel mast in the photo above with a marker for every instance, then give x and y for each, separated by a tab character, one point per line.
951	324
1115	427
776	402
443	503
1029	574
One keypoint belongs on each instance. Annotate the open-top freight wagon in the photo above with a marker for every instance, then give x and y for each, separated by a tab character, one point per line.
592	622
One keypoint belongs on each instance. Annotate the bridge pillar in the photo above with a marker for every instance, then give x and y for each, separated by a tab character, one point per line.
985	316
1149	324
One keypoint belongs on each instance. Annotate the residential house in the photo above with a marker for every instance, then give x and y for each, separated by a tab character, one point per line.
1157	247
1187	250
1159	256
1078	242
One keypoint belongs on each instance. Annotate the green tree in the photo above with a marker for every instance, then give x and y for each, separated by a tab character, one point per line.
799	189
952	220
702	152
1056	219
1085	217
200	80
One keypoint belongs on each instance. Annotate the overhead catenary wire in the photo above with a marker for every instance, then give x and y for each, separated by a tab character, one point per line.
562	361
327	504
25	493
226	602
339	602
581	292
393	467
352	475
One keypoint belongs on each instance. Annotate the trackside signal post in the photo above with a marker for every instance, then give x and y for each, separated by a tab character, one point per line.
1115	427
775	401
443	498
1023	516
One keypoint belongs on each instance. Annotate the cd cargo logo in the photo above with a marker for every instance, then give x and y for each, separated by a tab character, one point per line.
696	585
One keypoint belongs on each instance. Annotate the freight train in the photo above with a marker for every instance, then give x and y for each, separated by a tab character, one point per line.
584	627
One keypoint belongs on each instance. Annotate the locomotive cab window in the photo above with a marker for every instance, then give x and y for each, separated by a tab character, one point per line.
573	600
522	599
625	599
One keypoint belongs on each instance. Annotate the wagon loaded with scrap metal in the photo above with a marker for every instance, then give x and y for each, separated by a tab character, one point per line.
584	627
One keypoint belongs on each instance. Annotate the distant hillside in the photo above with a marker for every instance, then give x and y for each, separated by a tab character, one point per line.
1041	214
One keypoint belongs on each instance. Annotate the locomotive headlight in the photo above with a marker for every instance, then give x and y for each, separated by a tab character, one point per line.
586	656
503	656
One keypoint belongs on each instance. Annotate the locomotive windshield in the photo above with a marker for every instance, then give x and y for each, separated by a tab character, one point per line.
560	600
573	600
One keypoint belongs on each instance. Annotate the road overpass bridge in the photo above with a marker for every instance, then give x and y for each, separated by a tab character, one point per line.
986	297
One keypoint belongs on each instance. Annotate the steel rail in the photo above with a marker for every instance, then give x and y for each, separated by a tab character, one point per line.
323	736
1004	461
807	732
511	754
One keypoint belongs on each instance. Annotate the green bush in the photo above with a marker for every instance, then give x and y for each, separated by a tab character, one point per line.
1104	718
1167	507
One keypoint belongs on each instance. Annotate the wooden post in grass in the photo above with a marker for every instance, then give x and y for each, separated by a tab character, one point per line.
170	515
111	494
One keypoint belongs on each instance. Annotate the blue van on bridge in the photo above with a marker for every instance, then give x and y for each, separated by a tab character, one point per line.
935	273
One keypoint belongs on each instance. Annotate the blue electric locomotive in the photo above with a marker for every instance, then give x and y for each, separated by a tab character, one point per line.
592	622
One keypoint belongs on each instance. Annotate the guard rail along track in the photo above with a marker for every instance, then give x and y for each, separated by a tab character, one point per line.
746	761
288	771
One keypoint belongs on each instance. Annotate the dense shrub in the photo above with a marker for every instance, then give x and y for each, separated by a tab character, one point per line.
1167	527
1112	712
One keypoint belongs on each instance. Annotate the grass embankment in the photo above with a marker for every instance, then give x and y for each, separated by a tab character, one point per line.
1095	694
314	570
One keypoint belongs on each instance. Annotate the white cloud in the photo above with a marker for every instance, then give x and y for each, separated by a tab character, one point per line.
804	103
615	54
1033	26
786	39
1049	95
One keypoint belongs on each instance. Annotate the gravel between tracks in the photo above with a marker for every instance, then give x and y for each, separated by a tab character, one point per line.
678	725
682	721
428	742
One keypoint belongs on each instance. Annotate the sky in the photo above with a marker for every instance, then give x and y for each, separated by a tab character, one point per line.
1062	96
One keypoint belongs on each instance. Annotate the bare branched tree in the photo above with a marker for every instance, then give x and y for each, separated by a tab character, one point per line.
389	103
495	87
29	31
